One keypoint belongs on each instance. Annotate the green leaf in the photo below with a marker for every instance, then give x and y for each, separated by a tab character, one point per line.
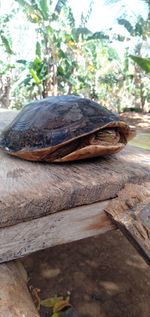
144	63
32	11
26	81
128	26
57	303
60	4
49	29
43	71
139	27
119	37
56	314
61	304
51	302
86	16
81	31
44	9
36	63
62	54
6	44
60	71
34	76
98	36
38	49
22	61
70	17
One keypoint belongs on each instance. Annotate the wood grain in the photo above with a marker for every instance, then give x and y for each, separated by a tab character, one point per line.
15	300
130	211
62	227
32	190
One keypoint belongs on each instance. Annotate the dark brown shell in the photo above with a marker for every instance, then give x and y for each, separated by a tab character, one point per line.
53	121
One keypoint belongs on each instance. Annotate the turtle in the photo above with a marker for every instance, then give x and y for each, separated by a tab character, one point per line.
65	128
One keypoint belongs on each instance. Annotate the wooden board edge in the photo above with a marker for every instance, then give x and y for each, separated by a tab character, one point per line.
130	212
59	228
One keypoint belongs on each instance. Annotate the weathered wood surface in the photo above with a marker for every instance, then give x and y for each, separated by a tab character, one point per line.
15	300
130	211
62	227
32	190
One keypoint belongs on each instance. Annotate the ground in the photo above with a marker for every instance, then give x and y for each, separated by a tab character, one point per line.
140	120
105	276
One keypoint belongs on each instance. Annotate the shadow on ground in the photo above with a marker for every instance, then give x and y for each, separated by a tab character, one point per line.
105	276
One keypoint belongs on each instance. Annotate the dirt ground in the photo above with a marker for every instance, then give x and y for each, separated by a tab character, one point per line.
140	120
104	275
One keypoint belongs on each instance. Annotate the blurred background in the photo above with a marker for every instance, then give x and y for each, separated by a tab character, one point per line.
94	48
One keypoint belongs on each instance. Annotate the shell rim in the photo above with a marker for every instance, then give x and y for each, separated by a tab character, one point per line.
55	147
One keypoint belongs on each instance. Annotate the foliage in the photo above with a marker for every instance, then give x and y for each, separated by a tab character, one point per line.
144	63
60	51
139	32
71	59
5	40
57	303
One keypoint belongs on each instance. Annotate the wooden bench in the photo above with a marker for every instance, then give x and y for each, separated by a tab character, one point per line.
42	205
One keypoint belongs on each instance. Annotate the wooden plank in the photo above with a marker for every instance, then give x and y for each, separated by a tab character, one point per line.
131	213
32	190
62	227
15	300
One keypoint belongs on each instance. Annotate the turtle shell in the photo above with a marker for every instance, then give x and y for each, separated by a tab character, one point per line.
55	121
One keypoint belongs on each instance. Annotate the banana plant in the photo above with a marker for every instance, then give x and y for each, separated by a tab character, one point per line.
57	47
40	13
67	58
5	39
35	74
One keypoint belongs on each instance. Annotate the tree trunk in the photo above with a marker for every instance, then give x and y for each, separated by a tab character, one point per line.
5	92
69	89
142	97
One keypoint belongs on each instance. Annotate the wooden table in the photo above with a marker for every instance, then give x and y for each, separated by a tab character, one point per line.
42	205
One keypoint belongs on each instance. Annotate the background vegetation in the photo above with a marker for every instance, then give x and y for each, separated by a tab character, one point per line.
70	59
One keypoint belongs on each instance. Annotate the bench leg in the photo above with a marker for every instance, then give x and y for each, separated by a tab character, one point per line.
15	299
